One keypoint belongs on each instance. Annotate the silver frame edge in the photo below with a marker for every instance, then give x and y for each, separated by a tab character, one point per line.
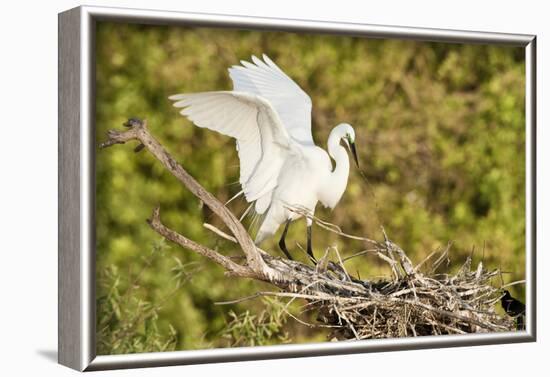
69	194
77	306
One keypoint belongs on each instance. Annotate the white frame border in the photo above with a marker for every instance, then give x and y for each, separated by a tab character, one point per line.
84	357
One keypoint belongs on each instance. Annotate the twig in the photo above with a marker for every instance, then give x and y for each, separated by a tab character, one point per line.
155	223
513	283
212	228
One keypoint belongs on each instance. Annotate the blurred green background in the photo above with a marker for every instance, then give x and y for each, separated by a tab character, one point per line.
440	135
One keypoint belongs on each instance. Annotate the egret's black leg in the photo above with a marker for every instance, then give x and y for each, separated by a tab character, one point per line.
309	248
282	244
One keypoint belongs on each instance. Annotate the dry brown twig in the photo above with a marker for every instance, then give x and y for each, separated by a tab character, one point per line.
412	304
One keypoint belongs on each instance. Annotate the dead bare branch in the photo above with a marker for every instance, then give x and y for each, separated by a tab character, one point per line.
137	130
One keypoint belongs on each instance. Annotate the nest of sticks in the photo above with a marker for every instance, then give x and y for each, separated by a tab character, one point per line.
412	303
416	300
419	305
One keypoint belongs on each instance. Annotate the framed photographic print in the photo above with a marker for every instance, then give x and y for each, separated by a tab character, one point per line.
236	188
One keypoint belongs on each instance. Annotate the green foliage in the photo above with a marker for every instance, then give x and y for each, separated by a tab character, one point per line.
440	136
127	321
251	329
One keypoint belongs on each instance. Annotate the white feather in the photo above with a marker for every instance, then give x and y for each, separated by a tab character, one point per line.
267	80
262	141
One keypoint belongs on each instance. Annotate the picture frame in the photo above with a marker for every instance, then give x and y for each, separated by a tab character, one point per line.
77	148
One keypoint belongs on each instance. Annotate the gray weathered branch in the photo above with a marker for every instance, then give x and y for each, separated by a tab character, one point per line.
137	130
185	242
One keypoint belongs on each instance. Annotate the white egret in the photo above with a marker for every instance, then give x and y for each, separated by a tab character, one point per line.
281	168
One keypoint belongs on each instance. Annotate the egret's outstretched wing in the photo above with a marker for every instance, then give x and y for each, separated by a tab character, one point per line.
262	141
267	80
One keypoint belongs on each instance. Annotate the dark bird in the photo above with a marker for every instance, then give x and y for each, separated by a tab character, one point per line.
514	308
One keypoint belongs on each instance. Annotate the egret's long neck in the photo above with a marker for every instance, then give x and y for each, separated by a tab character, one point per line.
340	174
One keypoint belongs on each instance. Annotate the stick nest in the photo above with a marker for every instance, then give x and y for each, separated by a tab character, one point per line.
415	303
411	303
